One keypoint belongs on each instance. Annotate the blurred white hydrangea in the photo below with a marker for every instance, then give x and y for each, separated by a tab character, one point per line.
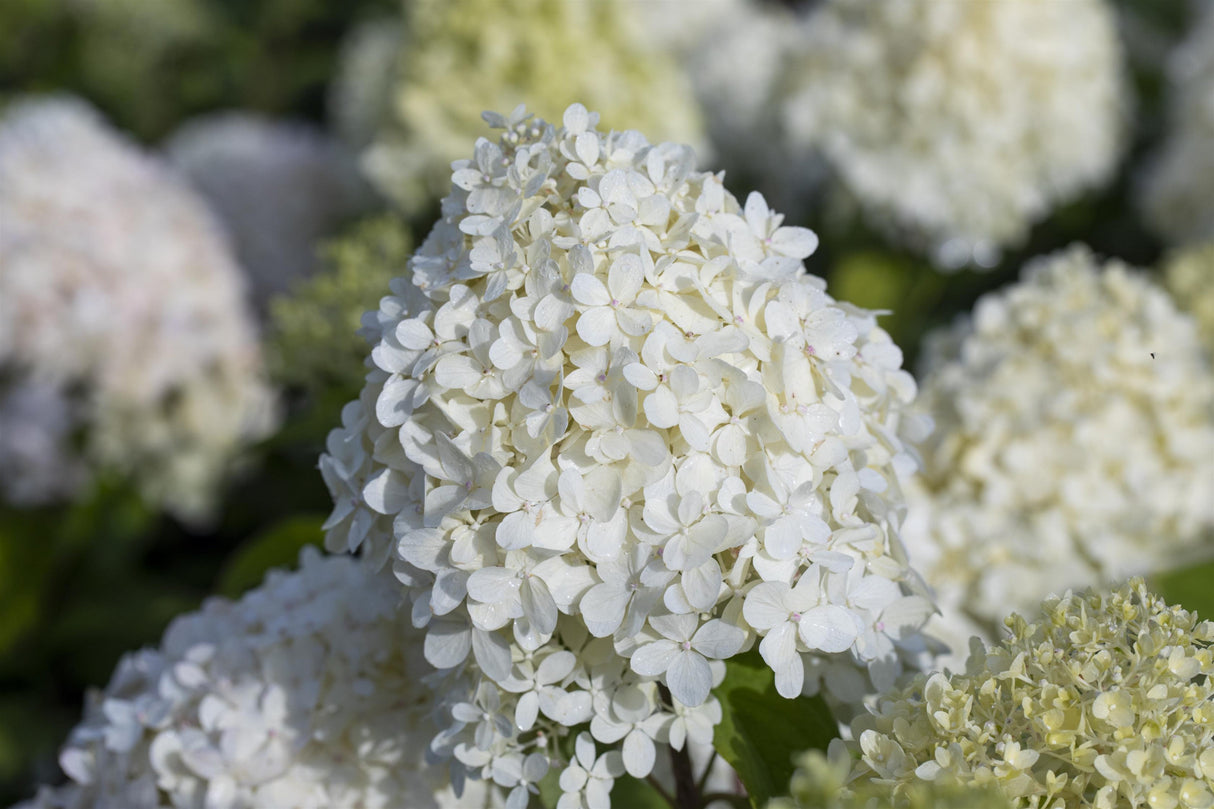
308	693
118	290
680	26
1179	193
279	187
739	70
1189	275
360	95
459	57
613	435
958	124
1103	701
1074	441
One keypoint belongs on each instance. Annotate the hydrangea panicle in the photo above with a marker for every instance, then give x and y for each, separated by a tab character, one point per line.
1105	700
307	693
608	412
1073	442
119	297
958	125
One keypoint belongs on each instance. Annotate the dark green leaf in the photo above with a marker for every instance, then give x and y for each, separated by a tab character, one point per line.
636	794
277	546
1191	587
760	731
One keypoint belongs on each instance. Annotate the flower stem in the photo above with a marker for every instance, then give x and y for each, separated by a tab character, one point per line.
687	791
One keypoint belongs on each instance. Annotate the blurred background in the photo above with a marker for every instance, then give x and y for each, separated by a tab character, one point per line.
199	198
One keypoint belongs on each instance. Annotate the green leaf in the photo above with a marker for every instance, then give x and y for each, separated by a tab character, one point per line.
636	794
277	546
761	731
1188	587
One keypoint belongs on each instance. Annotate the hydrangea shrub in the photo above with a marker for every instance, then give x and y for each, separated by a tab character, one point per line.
612	435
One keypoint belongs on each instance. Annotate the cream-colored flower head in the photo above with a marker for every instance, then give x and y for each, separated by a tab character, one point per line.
118	289
278	186
459	57
613	435
1189	275
1105	700
1073	442
308	693
1179	194
959	124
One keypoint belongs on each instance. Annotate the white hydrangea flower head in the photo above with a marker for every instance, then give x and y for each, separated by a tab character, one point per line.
307	693
613	435
1105	700
459	57
278	186
957	124
1189	275
116	283
1073	442
1178	199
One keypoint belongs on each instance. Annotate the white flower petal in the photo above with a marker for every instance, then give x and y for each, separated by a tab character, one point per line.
828	628
765	605
639	754
689	678
652	659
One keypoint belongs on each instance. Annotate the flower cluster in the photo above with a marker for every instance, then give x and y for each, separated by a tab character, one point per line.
120	301
278	187
1189	275
963	123
1178	197
614	435
1106	701
1074	440
313	341
308	693
460	57
820	782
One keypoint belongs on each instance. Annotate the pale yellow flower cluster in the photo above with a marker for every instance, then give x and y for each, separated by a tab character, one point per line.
460	57
1106	700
